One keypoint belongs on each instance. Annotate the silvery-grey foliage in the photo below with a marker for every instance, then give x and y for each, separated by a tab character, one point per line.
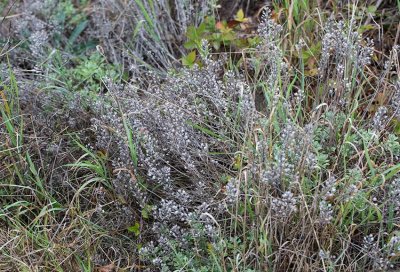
176	124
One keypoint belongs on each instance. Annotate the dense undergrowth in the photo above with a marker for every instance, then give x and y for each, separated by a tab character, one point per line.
169	136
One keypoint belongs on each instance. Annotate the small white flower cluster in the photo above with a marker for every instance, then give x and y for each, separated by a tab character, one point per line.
170	211
369	242
329	188
393	247
381	257
232	191
350	193
380	119
394	192
284	206
343	54
295	151
270	54
395	100
37	41
325	212
325	207
340	44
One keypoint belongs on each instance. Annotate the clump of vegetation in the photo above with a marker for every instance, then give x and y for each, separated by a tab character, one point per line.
158	136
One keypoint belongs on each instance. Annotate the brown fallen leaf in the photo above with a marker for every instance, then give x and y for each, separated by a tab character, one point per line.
107	268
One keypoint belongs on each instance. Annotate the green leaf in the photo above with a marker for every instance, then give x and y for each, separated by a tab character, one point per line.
137	28
131	143
190	45
135	229
371	9
216	45
150	24
191	33
77	31
364	28
311	52
189	59
201	29
206	131
146	210
228	37
238	162
396	126
240	16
